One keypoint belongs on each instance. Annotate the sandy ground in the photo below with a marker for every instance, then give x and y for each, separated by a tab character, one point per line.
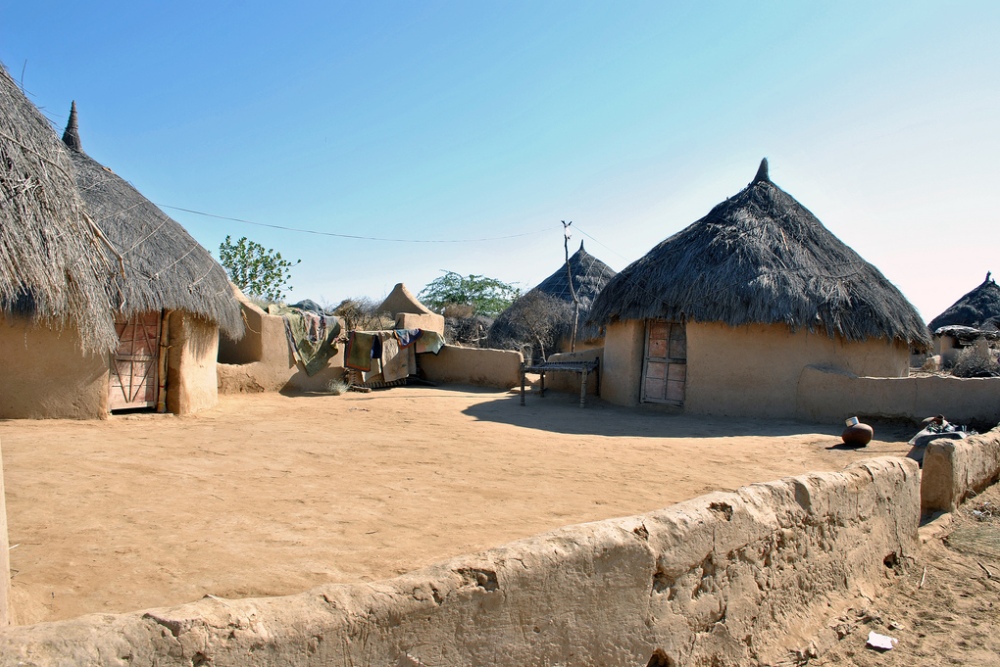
944	608
269	494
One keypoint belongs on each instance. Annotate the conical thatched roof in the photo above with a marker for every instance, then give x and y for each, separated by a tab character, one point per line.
760	257
977	309
52	267
590	275
163	266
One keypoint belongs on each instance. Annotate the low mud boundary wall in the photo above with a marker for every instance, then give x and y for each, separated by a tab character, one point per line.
957	469
727	578
830	395
473	365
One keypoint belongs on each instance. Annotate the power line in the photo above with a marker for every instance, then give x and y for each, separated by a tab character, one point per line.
353	236
601	244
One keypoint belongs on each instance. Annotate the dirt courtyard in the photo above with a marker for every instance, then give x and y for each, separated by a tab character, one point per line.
269	494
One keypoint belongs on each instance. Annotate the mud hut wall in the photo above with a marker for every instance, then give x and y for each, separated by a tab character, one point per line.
947	348
956	469
262	361
829	395
570	382
754	370
621	373
192	383
427	321
6	613
727	578
473	365
45	374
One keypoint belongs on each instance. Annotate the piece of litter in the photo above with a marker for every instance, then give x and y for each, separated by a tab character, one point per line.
881	642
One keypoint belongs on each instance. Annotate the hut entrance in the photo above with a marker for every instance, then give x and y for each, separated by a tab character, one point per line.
134	364
664	368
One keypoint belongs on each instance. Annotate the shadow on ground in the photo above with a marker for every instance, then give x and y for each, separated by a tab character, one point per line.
561	413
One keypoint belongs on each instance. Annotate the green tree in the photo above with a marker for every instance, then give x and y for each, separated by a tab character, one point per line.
486	296
257	271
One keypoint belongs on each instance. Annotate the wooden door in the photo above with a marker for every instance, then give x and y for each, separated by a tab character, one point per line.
135	363
664	370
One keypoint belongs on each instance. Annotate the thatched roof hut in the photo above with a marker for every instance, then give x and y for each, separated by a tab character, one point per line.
163	267
730	313
590	275
978	309
760	257
52	264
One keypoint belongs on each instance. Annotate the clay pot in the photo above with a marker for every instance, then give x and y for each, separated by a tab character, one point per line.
858	435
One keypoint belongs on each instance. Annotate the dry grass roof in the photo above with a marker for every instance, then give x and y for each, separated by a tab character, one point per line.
977	309
164	267
52	266
761	257
590	275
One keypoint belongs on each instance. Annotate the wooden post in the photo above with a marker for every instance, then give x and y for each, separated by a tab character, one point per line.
164	367
5	610
583	388
522	383
572	290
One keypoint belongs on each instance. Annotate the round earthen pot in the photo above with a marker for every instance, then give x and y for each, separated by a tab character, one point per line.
858	435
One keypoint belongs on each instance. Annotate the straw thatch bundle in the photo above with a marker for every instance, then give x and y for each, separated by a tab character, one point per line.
512	327
978	309
163	266
52	267
760	257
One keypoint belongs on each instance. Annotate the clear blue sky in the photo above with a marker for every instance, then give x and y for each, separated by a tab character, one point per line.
478	120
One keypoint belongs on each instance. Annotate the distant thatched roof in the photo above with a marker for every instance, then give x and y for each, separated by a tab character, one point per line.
760	257
52	267
976	309
164	267
590	275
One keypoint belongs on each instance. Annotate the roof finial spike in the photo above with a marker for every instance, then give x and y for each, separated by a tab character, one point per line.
988	274
761	173
581	244
71	137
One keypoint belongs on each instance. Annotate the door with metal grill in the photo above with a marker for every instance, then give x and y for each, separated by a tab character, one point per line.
134	364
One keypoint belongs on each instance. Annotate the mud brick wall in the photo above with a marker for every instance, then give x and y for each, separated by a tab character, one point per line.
823	394
956	469
727	578
472	365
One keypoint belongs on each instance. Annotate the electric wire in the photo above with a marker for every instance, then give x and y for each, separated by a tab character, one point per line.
354	236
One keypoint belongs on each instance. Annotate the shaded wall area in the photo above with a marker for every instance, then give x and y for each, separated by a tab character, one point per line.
727	578
44	374
263	361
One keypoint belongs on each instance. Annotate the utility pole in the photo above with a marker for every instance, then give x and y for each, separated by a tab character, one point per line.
572	290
